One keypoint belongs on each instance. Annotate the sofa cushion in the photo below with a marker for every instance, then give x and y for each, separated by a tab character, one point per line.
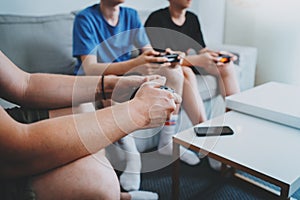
39	43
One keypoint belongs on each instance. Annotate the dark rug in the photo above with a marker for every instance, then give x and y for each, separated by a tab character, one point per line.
202	182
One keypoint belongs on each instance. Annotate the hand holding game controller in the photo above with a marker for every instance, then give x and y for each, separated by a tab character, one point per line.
163	87
224	58
172	58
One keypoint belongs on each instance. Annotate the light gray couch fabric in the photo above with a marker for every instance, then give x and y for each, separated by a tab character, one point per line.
38	44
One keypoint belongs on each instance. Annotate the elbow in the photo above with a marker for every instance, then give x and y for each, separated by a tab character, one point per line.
25	96
86	69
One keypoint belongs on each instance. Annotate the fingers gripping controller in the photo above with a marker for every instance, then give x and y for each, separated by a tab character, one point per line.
163	87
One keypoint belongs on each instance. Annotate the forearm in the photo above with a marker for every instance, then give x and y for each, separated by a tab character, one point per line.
193	60
56	91
48	144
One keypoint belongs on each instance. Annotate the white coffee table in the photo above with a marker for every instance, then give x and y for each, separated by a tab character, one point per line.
278	102
262	148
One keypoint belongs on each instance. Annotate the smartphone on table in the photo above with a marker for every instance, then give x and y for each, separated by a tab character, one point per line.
213	131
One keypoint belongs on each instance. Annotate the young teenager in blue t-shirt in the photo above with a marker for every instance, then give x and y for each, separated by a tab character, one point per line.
104	36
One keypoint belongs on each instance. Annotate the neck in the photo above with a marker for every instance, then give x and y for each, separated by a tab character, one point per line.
177	15
110	12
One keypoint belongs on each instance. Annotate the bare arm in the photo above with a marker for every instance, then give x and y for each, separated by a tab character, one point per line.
92	67
38	147
55	91
46	90
205	60
225	72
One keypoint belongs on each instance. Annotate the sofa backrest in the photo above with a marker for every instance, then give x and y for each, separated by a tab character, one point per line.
39	43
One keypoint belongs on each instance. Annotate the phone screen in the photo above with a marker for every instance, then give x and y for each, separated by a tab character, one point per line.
213	130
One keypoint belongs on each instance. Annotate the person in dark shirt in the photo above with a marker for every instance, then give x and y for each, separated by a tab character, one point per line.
167	38
179	29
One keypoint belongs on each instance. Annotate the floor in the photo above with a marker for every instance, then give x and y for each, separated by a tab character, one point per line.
200	182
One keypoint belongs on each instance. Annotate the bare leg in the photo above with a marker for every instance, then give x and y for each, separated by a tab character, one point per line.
130	179
192	101
91	177
175	80
228	82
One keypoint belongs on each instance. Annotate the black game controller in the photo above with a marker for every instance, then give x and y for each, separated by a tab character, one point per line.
163	87
172	58
223	58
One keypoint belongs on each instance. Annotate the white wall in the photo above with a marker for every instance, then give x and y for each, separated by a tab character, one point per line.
273	26
211	12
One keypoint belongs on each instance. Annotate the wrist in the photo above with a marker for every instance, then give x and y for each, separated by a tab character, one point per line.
130	120
137	61
110	82
137	114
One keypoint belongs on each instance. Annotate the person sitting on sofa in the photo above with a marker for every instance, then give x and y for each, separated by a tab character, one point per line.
45	155
103	37
175	27
182	31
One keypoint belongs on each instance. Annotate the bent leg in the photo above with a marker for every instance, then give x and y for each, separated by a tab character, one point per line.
228	81
175	80
91	177
130	179
192	101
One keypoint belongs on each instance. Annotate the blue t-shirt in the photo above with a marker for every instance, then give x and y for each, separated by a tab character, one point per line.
93	35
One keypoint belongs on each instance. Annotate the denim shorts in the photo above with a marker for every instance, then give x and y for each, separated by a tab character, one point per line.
26	115
19	189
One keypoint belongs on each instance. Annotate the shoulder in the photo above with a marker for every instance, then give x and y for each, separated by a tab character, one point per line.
128	11
159	13
87	12
156	17
191	15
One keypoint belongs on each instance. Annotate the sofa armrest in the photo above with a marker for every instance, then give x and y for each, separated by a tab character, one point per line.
246	66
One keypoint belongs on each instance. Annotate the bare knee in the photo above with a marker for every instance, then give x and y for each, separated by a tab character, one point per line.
188	73
174	77
101	189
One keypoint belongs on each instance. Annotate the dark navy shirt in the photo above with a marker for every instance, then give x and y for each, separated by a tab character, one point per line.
164	33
